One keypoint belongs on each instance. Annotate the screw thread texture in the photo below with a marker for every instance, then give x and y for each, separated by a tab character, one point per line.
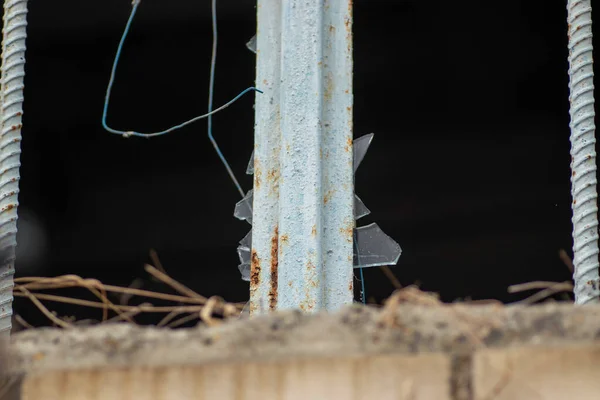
11	111
583	154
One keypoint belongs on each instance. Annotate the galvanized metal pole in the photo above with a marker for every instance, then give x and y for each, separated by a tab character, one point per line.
303	221
583	154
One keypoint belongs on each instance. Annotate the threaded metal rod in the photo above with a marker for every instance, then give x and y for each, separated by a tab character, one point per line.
583	154
11	111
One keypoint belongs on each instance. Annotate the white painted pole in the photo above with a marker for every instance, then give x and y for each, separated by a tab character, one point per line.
303	221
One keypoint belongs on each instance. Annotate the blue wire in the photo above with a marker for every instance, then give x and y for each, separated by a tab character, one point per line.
363	296
135	5
211	90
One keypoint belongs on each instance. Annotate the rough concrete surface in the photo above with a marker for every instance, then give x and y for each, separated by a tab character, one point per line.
476	341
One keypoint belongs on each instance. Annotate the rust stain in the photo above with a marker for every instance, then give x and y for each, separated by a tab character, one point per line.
265	82
19	113
311	269
273	176
253	307
348	146
254	271
348	231
257	173
327	196
350	287
348	19
274	273
331	28
313	231
9	207
309	303
574	201
284	239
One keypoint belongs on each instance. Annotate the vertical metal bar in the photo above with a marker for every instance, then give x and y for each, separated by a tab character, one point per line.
583	154
11	111
303	177
338	171
267	134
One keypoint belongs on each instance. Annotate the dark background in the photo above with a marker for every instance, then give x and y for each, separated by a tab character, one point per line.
468	171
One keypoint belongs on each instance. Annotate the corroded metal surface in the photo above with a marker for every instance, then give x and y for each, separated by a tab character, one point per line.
303	209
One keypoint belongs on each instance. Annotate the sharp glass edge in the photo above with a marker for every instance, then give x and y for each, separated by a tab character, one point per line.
375	249
251	44
369	255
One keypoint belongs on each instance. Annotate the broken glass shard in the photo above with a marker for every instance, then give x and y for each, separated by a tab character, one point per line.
250	167
361	145
244	267
245	271
251	45
373	248
243	208
360	210
246	242
244	253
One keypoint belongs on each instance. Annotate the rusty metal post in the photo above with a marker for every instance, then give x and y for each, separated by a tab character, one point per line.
303	221
583	154
11	110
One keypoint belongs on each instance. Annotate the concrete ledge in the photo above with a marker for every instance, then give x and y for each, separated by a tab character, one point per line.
412	352
537	373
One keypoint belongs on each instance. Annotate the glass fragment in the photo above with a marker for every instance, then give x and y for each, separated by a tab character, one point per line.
243	208
373	248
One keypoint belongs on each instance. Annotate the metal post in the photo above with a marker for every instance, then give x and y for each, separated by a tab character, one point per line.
583	154
11	110
303	221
